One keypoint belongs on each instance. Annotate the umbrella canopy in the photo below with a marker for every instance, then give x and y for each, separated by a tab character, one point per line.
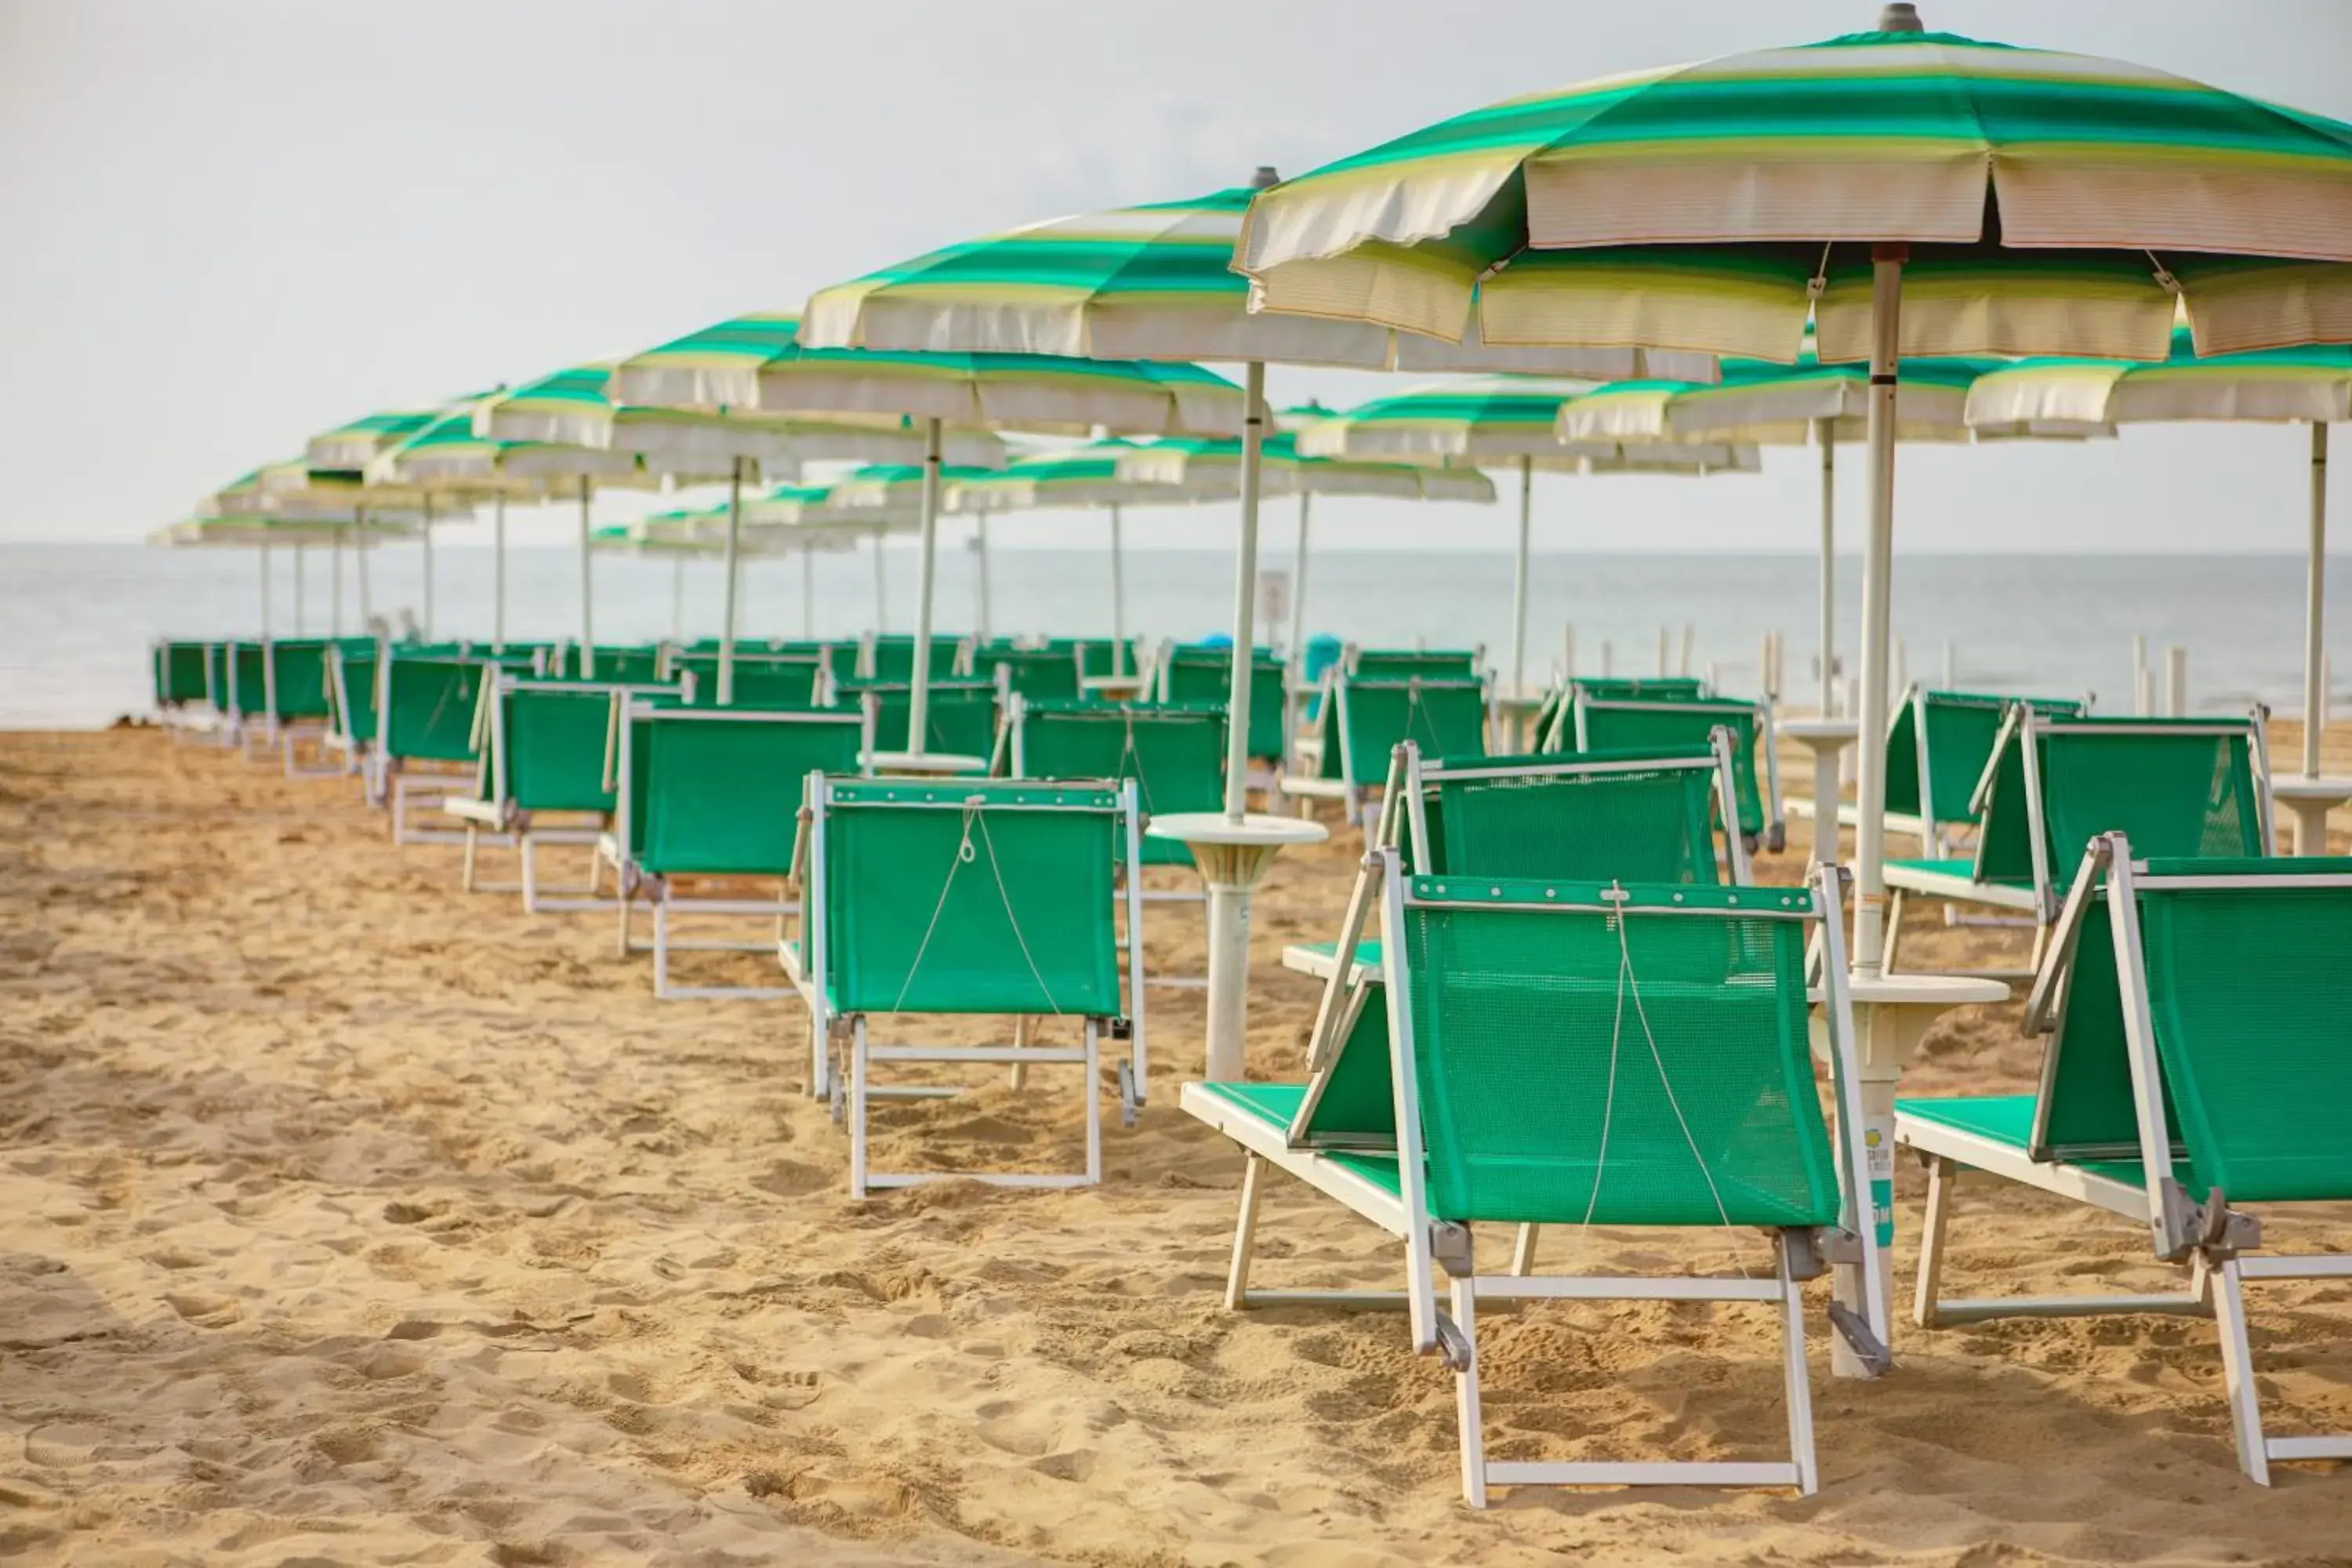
363	440
259	531
2311	386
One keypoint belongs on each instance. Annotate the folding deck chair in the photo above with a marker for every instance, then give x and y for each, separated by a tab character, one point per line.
891	658
714	792
959	715
546	751
187	702
1430	663
1203	672
1937	743
973	898
425	715
762	680
1175	752
350	705
1361	720
1575	1053
1600	722
2200	1058
2177	786
1047	673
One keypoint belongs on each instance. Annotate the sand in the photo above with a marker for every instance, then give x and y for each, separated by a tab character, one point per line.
348	1218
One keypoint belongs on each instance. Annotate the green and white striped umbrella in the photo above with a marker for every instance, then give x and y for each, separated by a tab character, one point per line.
1501	421
2309	385
1905	192
1788	405
260	532
366	439
340	501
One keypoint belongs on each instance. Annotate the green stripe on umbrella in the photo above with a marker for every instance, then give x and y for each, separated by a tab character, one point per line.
2308	384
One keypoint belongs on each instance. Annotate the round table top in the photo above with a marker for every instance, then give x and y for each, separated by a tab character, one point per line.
1841	731
1112	683
940	763
2301	786
1925	990
1253	829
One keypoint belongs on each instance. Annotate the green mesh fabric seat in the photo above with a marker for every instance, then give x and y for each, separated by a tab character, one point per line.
714	793
1647	723
1363	721
2198	1015
1175	752
352	694
891	659
960	716
1564	1052
1044	674
183	674
983	898
425	711
624	665
1203	672
2176	787
1936	748
1402	663
761	679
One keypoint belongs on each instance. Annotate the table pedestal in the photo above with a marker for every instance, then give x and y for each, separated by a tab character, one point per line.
1234	855
1891	1015
1825	737
2310	800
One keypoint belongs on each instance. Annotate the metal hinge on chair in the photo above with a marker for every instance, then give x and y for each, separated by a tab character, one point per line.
1852	1328
1130	1094
1452	1344
2221	1232
1450	1248
1122	1028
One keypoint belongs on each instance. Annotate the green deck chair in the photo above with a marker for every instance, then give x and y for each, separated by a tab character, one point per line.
762	680
1430	663
1203	672
714	792
1937	743
545	752
186	700
960	717
1600	723
1362	719
2178	787
623	664
1575	1054
426	751
971	897
1048	674
890	659
351	702
2200	1058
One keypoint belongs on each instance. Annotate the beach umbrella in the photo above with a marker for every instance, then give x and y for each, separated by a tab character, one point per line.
1908	191
762	356
2309	385
259	531
1772	404
1153	282
294	491
814	514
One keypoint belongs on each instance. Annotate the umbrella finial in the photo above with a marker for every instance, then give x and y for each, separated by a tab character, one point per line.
1901	16
1265	178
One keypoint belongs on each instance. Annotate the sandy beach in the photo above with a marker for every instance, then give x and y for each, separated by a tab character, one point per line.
345	1217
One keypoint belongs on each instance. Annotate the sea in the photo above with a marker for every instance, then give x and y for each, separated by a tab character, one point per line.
77	620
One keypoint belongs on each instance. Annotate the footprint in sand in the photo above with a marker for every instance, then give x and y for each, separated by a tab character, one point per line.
205	1310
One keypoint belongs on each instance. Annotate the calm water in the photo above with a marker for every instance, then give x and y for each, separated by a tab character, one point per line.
75	620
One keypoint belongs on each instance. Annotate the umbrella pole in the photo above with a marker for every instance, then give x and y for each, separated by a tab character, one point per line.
587	585
980	545
1297	647
1237	704
1825	435
297	590
335	586
1878	544
499	575
677	598
1117	595
2314	692
360	573
1519	578
919	699
808	593
727	605
265	592
426	533
881	589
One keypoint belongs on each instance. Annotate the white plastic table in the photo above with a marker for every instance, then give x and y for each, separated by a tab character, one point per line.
1233	855
924	763
1891	1015
1825	737
2310	800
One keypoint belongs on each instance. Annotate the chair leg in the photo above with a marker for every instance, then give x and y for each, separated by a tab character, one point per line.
1943	1177
1245	1236
1094	1100
857	1107
1017	1075
625	901
661	946
1523	1251
530	848
473	845
1800	1387
2238	1372
1894	937
1467	1414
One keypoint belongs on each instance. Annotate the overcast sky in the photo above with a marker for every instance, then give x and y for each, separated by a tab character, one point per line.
228	224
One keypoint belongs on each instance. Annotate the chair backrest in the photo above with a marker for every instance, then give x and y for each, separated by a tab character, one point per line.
761	678
1632	817
351	690
1938	746
1618	1054
1368	716
1433	664
959	715
716	791
627	665
2237	970
1203	672
1044	673
298	678
549	742
1645	687
184	673
426	706
1649	723
891	659
969	897
2176	787
1175	752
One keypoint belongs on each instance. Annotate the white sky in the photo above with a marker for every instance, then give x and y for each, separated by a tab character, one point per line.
228	224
